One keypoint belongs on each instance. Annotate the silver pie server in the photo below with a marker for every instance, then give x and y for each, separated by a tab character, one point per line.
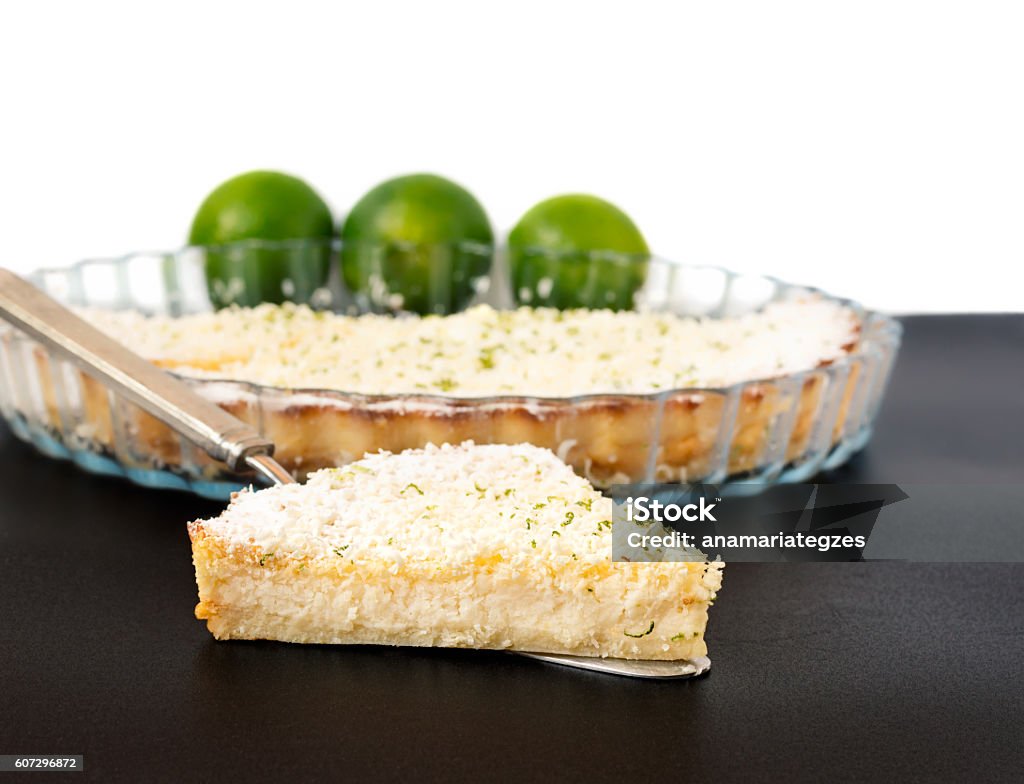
221	435
170	400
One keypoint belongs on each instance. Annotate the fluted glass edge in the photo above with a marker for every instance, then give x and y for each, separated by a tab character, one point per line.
753	433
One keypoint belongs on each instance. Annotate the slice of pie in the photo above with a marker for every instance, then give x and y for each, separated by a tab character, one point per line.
472	546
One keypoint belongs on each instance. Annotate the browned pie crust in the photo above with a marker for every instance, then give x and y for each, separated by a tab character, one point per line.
606	438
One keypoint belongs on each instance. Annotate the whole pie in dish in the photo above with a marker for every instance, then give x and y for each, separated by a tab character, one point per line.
619	396
471	546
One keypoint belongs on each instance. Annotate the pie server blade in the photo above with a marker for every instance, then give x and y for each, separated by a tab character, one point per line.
211	428
632	668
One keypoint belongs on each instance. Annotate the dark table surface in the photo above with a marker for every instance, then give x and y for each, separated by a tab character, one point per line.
893	671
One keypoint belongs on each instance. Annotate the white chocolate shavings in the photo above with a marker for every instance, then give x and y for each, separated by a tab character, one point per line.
484	352
450	505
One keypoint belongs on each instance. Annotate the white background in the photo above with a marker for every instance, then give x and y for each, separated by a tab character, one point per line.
872	148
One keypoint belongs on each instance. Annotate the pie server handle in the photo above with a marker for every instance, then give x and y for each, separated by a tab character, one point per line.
170	400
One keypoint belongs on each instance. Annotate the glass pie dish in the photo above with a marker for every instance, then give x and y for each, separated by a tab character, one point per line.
761	431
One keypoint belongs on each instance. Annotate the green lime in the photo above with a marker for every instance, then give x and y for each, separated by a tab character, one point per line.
577	251
418	243
255	224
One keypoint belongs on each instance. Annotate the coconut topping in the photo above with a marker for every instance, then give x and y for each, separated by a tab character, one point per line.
486	352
